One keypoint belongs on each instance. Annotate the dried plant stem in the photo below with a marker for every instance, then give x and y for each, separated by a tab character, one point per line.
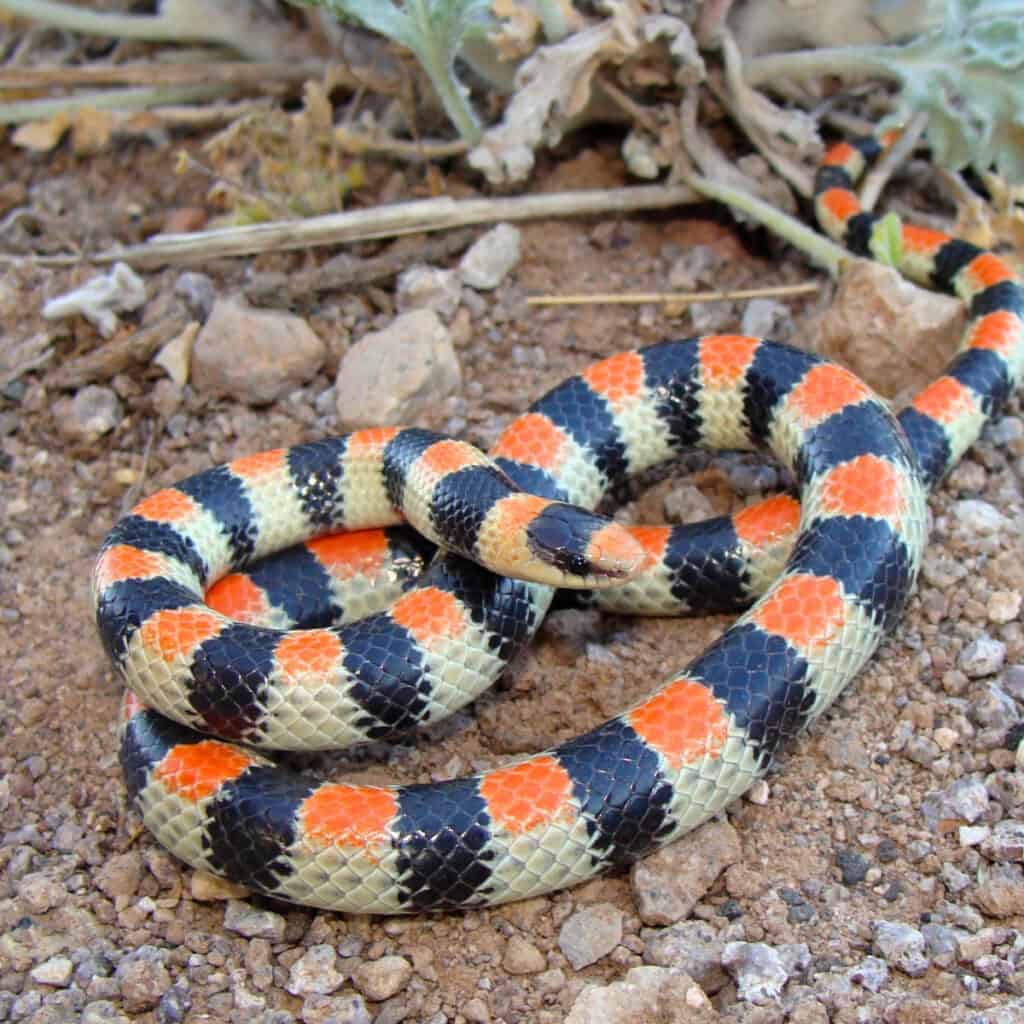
381	222
153	74
140	98
675	298
895	156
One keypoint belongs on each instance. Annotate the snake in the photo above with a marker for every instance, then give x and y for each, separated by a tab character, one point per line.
209	694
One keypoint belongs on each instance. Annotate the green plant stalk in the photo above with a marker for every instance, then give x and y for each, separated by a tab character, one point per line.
819	249
430	52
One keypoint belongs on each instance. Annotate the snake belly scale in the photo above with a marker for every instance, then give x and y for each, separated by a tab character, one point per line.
627	786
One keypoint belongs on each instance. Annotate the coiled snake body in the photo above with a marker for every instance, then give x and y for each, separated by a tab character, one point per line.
627	786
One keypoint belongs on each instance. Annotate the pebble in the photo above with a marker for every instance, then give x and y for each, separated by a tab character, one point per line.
871	973
941	944
93	412
853	865
644	994
984	656
56	971
348	1008
314	973
669	883
253	923
1000	889
767	318
590	934
143	978
758	970
1005	842
399	374
119	877
692	946
966	799
383	978
979	517
100	299
1003	606
40	893
489	259
280	353
102	1011
423	287
901	946
198	290
522	957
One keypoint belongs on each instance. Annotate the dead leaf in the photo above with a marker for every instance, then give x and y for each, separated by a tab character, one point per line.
41	136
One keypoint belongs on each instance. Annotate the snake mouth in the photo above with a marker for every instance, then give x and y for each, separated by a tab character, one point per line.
583	549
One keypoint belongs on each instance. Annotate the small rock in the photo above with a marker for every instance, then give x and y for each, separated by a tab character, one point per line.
348	1008
1000	889
902	946
314	973
120	876
852	864
1005	842
941	944
423	287
381	979
100	299
966	800
490	258
758	969
522	957
978	517
692	946
40	893
174	1005
143	979
669	883
198	291
254	355
102	1011
93	412
399	374
56	972
873	305
982	657
590	934
645	994
1003	606
253	923
871	973
767	318
475	1011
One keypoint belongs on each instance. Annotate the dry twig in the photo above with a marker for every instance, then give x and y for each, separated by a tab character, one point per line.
380	222
671	298
347	271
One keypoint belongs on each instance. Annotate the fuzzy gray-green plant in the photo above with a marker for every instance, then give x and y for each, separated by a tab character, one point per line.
434	30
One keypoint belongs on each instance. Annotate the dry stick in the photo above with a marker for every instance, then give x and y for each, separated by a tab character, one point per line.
633	298
380	222
893	157
152	74
123	352
346	271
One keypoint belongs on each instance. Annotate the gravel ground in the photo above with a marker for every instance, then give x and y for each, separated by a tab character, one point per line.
876	876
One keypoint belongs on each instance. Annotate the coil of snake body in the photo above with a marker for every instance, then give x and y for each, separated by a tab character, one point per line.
631	784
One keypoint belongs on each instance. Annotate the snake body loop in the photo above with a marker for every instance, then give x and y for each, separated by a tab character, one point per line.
627	786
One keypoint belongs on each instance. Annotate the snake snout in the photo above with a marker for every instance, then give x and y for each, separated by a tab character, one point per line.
586	550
